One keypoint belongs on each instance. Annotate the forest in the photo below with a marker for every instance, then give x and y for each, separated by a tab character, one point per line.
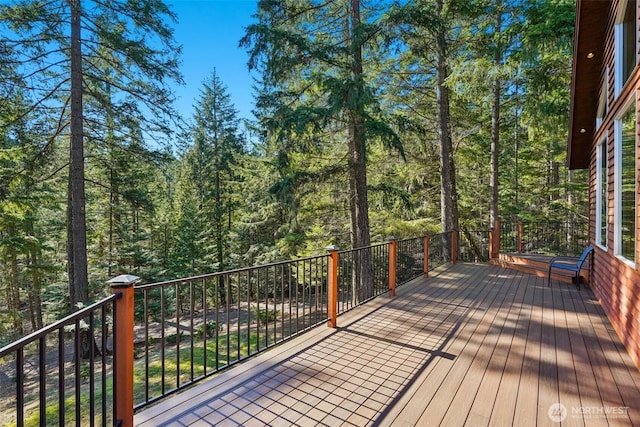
372	118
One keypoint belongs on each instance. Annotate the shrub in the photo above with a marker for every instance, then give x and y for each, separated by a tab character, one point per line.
210	327
265	315
173	338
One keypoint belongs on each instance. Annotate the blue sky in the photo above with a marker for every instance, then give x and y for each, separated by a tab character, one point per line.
209	32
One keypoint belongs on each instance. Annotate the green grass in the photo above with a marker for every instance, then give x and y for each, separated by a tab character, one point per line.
240	347
32	418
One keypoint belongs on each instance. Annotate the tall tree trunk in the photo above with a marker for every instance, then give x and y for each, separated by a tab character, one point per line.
114	200
553	178
79	278
76	227
495	150
13	297
448	190
35	286
111	221
359	204
516	147
495	125
219	218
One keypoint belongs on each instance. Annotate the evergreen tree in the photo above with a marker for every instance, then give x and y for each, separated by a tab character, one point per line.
546	60
426	28
208	181
216	152
484	74
63	46
314	58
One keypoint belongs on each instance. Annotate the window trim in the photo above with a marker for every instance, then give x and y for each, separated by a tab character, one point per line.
600	239
603	100
618	43
617	159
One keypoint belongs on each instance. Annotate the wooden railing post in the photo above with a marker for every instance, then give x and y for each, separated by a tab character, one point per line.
393	257
123	349
494	240
332	287
454	246
519	237
498	237
426	254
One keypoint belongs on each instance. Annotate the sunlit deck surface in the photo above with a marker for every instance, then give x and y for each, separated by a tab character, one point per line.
472	345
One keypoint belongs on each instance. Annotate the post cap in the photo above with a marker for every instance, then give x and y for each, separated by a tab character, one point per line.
332	248
391	238
123	280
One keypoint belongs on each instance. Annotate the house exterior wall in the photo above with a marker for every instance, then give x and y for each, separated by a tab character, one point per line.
616	282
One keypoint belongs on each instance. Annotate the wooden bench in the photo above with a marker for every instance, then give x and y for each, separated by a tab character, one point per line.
572	264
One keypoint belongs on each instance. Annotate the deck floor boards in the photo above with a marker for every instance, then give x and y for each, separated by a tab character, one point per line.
486	396
472	345
503	409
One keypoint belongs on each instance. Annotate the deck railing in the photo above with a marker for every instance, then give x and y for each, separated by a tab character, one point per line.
64	373
410	259
148	341
543	237
371	261
189	329
100	364
473	245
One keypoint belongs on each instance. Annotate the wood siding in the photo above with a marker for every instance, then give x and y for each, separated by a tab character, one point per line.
615	283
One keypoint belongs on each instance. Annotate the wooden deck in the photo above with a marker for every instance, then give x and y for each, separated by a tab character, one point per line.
473	345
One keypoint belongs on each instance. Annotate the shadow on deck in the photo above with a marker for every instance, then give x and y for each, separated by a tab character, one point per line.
473	345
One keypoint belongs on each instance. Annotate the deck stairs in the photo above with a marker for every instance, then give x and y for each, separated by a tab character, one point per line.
537	264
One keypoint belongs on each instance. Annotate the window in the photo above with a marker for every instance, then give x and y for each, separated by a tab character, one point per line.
602	173
626	43
602	100
625	184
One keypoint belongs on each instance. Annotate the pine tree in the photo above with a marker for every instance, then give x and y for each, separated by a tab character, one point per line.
215	153
314	58
425	27
207	182
63	46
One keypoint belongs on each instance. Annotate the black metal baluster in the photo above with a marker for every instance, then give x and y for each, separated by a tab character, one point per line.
282	275
92	394
192	308
227	292
216	300
178	335
266	306
249	311
20	387
42	362
206	329
162	339
146	344
103	346
78	362
239	340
